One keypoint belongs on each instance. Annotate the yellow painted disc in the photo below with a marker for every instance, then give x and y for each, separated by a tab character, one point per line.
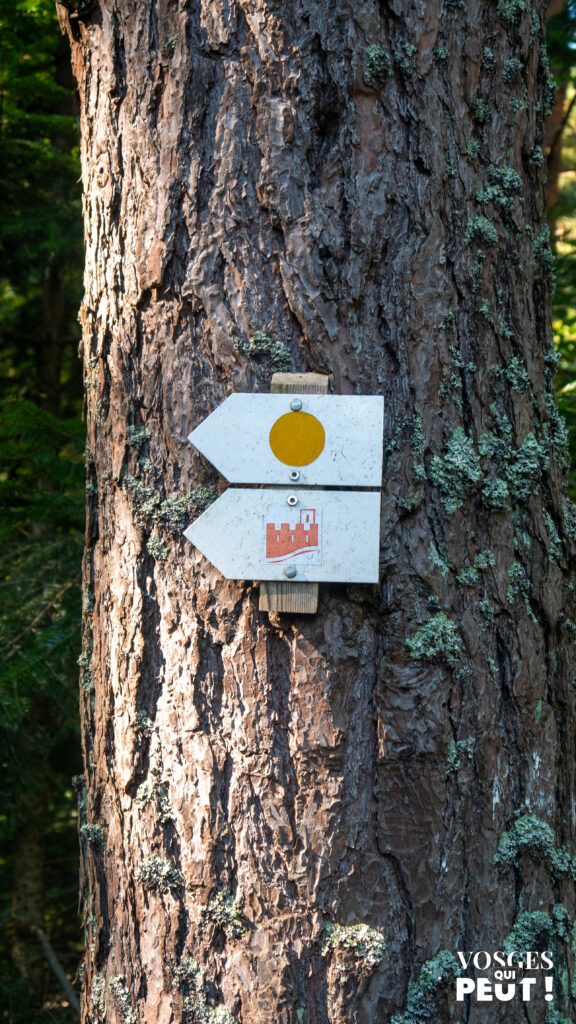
297	438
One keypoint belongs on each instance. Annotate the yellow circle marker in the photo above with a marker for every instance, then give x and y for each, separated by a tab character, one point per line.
297	438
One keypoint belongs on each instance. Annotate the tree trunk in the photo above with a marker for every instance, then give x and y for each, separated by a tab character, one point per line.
361	183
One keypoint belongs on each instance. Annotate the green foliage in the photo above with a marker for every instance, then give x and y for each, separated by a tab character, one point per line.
42	477
41	540
40	205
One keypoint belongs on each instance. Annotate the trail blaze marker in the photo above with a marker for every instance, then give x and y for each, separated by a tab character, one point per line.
331	440
235	535
287	532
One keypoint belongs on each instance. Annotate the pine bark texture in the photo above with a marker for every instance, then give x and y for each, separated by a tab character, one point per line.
349	187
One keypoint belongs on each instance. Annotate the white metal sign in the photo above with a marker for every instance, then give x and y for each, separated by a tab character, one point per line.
321	440
301	535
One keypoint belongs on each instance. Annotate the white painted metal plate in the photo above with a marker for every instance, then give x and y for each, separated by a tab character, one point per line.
236	438
327	536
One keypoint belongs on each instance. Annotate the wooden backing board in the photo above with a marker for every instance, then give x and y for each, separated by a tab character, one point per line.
300	598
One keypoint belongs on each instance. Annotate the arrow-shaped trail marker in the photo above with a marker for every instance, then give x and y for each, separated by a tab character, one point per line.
328	440
291	532
300	535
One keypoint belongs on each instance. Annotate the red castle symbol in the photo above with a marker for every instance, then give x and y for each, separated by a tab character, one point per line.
288	541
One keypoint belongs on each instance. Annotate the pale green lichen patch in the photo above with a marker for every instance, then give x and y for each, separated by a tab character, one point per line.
119	990
488	61
526	467
261	345
98	994
486	313
366	944
482	230
174	512
538	930
487	610
378	66
555	432
435	974
544	262
158	874
136	437
462	750
452	384
510	10
94	834
188	979
438	561
471	573
441	53
418	445
511	70
156	547
533	930
480	111
519	583
223	911
550	84
503	184
516	374
144	794
495	494
530	835
437	638
458	472
556	1017
569	509
404	56
555	552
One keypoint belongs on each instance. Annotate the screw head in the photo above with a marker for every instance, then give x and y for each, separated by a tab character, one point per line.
295	405
292	500
290	571
294	474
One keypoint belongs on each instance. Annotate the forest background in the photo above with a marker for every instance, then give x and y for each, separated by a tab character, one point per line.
42	479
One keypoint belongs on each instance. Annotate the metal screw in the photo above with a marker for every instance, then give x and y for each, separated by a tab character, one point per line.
295	404
292	500
294	474
290	571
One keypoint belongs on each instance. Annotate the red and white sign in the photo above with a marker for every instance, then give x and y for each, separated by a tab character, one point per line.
293	535
251	534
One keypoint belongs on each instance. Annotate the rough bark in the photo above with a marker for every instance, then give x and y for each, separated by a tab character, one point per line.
359	182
